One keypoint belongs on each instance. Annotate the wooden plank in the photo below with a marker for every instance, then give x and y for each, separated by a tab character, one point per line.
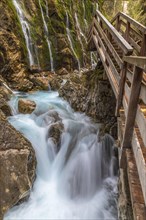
116	36
136	194
125	105
135	23
143	93
141	122
134	44
132	107
137	61
143	86
113	68
140	162
108	71
121	88
109	45
127	91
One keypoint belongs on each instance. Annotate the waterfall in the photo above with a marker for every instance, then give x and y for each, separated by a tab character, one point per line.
7	87
47	35
75	178
93	60
70	40
79	28
84	11
26	32
47	9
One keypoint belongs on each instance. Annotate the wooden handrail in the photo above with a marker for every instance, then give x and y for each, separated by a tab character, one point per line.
136	61
131	21
125	46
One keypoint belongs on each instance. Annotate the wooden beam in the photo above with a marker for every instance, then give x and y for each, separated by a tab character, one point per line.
136	61
135	23
115	34
121	88
109	45
132	110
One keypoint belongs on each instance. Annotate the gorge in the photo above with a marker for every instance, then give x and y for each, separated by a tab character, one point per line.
58	130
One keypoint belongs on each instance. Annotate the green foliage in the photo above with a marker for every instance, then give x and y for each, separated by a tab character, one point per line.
137	10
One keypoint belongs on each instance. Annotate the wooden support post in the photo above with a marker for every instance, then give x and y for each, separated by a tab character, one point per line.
118	23
132	110
143	46
127	31
121	88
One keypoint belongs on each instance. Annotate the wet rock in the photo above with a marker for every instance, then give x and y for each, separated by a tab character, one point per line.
25	85
55	132
42	82
17	162
26	106
5	107
62	71
35	69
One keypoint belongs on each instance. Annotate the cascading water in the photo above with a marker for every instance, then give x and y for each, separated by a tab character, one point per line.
79	28
47	9
93	58
86	23
47	35
70	40
75	179
26	32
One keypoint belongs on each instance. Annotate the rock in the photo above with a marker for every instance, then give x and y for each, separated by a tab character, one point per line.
55	129
35	69
62	71
5	107
42	82
25	85
17	162
55	132
26	106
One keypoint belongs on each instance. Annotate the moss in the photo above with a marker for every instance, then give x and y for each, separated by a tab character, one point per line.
18	31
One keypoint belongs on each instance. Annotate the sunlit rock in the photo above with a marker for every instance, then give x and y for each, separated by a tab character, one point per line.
17	162
26	106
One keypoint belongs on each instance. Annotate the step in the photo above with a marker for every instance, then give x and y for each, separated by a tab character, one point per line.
137	199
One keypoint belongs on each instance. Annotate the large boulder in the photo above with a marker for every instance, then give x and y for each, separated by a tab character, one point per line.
55	129
17	163
26	106
55	132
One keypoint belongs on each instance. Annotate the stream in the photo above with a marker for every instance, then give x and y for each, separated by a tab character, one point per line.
76	179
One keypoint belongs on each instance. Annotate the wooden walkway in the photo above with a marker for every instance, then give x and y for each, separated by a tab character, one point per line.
121	45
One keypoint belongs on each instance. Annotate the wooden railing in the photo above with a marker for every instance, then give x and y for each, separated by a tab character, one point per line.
132	31
122	50
134	103
111	47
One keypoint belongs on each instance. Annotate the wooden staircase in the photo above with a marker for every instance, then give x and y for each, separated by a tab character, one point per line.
121	46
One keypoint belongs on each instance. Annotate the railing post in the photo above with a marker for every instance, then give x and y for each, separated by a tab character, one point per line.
132	110
121	88
127	31
143	46
118	23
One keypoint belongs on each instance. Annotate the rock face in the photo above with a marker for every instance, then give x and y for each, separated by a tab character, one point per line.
5	107
55	129
14	63
17	162
26	106
91	93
